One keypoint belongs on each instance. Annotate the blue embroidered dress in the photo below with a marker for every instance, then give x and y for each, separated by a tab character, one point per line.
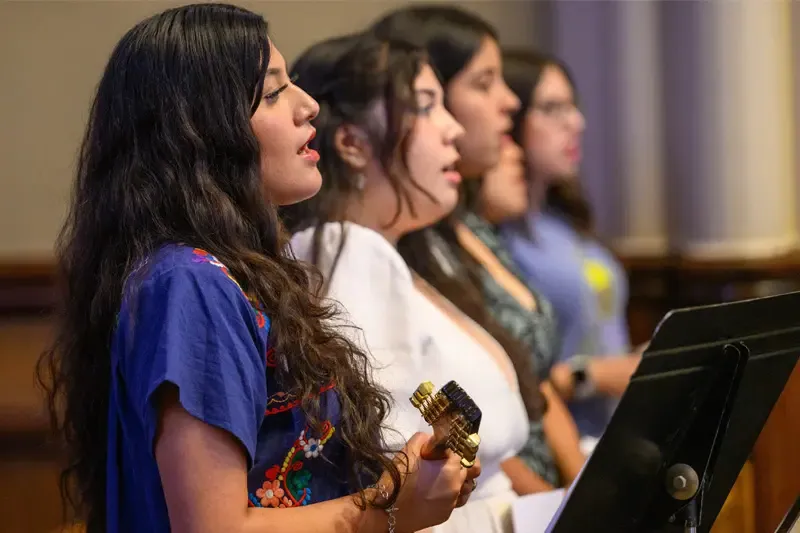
184	320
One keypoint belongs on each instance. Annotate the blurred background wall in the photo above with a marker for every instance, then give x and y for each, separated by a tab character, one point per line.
692	111
52	55
690	107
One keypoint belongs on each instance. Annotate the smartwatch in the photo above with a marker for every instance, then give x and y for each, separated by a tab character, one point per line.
583	386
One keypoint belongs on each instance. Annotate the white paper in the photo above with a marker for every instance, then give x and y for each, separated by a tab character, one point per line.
588	444
533	513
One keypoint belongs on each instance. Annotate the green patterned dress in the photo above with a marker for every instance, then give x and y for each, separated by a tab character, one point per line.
535	329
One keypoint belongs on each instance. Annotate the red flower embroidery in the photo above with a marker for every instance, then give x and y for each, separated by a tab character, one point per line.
272	473
295	479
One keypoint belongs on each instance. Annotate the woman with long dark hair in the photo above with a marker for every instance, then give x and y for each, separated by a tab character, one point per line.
552	240
197	381
464	50
388	160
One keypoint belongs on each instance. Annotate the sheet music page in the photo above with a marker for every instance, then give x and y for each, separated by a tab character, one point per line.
532	513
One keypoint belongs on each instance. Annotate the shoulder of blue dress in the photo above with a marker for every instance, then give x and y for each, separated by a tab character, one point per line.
188	258
199	262
174	255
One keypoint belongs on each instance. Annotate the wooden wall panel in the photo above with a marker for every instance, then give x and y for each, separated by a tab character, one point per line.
28	470
29	497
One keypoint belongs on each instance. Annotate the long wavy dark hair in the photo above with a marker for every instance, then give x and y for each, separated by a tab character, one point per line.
452	36
522	70
169	156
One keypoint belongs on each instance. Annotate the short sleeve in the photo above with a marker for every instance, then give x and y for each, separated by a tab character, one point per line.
374	289
191	326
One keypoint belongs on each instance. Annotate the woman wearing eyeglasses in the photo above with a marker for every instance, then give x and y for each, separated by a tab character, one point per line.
556	249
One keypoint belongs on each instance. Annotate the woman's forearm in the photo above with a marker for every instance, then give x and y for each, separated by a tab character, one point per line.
611	375
523	479
562	435
204	475
338	516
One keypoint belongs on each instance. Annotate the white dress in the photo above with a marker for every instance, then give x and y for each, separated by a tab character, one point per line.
411	341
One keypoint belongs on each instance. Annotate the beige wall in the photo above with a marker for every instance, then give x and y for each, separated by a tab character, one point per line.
795	7
52	55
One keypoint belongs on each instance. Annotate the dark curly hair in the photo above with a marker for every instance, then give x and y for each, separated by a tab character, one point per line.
452	36
522	70
169	156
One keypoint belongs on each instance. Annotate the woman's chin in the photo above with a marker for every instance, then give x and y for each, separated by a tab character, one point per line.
448	202
434	214
566	174
301	189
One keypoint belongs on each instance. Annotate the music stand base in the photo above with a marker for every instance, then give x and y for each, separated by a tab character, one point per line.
689	517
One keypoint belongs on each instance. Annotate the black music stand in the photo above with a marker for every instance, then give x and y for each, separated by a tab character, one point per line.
688	420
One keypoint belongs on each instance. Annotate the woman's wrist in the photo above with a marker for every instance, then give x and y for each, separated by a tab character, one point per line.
561	381
575	378
375	521
584	376
381	497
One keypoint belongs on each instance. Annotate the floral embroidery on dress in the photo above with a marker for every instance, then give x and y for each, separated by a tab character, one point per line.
283	401
288	484
280	398
312	447
270	493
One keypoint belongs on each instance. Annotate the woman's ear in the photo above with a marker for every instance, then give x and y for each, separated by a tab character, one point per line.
353	146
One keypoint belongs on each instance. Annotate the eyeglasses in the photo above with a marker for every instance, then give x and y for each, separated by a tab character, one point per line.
558	110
